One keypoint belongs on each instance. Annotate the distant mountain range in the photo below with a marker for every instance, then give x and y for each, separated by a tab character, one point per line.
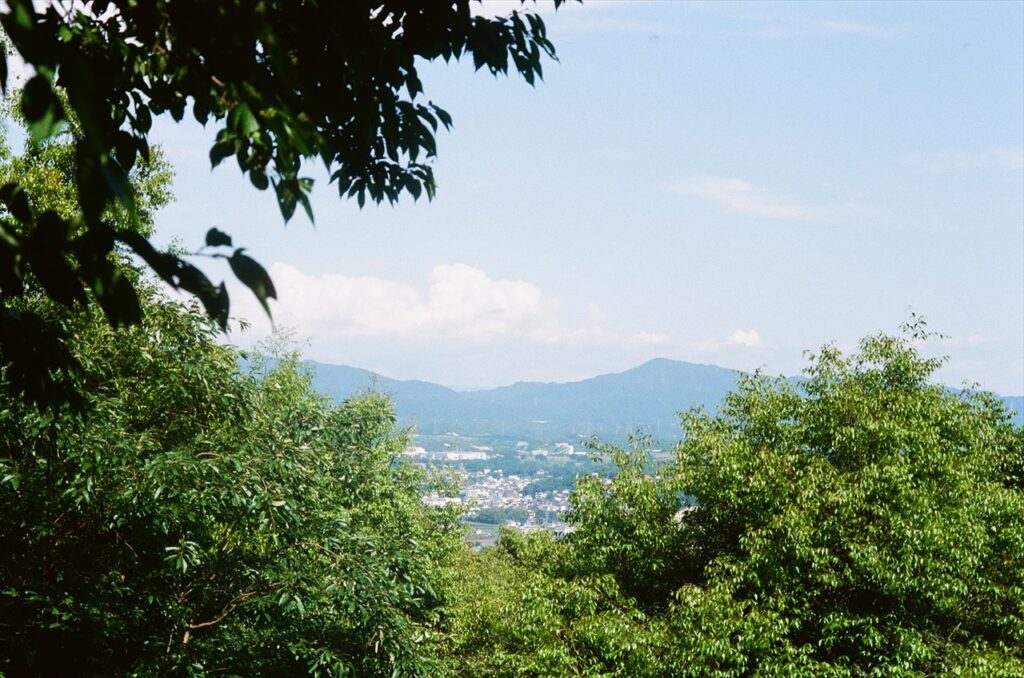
610	405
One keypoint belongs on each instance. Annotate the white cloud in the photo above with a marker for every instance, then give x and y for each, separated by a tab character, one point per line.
749	338
460	303
596	314
1003	158
739	195
738	340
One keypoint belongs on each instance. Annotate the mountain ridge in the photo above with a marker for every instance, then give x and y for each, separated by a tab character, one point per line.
611	405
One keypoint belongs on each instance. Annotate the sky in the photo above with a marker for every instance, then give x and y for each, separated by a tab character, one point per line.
723	183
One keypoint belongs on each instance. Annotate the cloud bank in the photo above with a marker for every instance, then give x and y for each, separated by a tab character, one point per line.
460	302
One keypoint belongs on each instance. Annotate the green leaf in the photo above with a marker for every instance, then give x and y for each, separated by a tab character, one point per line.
306	206
258	178
45	252
287	197
116	296
126	149
143	119
242	120
254	276
218	306
23	15
42	108
93	191
14	197
120	187
217	238
220	150
443	116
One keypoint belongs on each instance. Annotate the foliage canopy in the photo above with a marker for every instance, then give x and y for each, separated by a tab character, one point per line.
201	517
256	530
285	82
864	522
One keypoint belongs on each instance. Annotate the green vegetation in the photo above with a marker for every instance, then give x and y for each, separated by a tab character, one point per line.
201	519
193	518
286	83
190	517
865	522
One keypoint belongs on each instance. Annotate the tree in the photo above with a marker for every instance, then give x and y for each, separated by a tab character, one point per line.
289	82
863	522
203	517
39	364
257	531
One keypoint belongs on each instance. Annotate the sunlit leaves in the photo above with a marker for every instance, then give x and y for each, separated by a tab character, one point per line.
833	509
242	121
205	515
863	522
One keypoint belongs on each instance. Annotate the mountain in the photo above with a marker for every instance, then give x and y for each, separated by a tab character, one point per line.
610	405
411	397
647	396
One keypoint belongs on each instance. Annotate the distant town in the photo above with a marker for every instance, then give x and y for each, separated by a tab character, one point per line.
524	485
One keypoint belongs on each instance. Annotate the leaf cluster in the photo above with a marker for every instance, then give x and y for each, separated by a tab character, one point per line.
285	82
863	522
205	518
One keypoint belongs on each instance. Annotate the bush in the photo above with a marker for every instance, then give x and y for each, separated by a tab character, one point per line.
862	522
198	518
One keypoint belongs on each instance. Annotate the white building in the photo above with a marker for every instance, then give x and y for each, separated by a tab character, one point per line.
465	456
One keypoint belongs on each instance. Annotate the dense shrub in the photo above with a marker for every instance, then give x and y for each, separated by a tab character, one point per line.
865	521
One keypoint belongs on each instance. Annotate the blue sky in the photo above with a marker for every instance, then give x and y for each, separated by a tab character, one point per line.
713	182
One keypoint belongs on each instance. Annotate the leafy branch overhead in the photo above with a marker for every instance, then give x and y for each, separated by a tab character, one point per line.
286	82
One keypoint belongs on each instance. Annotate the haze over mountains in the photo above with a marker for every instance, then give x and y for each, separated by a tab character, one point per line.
610	405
